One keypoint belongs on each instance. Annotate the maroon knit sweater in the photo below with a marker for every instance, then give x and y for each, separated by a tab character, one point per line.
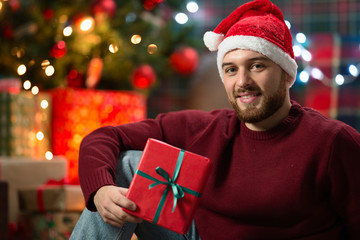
300	180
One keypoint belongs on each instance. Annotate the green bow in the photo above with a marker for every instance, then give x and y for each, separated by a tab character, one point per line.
178	191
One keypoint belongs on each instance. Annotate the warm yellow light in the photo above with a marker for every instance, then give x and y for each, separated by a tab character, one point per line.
67	31
136	39
1	5
39	136
152	48
35	90
87	24
45	63
48	155
27	85
49	70
21	70
44	104
113	48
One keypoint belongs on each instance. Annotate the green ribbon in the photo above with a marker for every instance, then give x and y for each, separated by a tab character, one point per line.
177	190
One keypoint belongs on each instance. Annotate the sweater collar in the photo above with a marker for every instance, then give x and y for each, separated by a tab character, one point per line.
281	129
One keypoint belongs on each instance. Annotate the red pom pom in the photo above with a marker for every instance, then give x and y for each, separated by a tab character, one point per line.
58	50
143	76
104	6
185	60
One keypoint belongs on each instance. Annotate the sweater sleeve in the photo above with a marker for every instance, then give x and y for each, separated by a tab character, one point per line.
344	169
100	149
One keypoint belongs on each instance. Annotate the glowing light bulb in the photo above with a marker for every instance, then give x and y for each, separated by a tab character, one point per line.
48	155
152	48
21	70
288	24
301	38
181	18
44	104
339	79
297	50
317	74
306	55
27	85
353	70
35	90
49	70
67	31
87	24
136	39
304	76
39	136
192	7
113	48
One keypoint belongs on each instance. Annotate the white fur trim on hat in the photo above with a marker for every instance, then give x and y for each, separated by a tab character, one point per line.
212	40
260	45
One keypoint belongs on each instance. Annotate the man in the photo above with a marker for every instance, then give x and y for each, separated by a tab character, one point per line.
280	171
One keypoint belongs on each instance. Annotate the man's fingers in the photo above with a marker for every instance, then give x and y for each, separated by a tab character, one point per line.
121	200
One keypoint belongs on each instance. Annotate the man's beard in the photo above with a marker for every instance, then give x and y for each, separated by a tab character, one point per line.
270	104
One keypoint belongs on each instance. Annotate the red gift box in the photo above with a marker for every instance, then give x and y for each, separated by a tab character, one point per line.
167	185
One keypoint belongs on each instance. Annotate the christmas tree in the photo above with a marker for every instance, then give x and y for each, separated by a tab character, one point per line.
103	44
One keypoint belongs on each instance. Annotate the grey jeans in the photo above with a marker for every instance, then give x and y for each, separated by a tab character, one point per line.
91	226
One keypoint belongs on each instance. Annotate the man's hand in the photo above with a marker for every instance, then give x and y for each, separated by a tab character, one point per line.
109	200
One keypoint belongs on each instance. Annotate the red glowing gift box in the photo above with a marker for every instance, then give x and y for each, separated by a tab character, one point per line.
77	112
165	189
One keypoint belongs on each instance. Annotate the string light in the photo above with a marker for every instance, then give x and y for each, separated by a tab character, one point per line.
136	39
27	85
48	155
192	7
304	76
317	74
21	70
67	31
87	24
40	136
113	48
152	48
353	70
181	18
35	90
44	104
339	79
49	70
300	37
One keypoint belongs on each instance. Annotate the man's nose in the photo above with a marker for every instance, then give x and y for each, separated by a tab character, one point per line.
243	78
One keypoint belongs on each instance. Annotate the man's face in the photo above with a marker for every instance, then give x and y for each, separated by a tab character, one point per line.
255	85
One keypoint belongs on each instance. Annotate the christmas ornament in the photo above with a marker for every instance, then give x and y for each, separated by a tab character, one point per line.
58	50
185	60
103	6
143	76
74	79
48	14
150	4
94	72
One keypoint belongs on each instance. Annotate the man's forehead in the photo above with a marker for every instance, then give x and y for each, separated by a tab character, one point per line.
246	54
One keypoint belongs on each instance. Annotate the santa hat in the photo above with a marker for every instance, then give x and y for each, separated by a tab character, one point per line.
258	26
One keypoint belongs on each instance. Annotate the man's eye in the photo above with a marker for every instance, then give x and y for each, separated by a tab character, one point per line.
257	66
230	70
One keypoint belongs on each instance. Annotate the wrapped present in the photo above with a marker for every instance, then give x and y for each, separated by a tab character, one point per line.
25	124
21	172
47	225
10	85
51	197
77	112
165	189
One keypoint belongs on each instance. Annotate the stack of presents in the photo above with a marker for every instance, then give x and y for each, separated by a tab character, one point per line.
40	135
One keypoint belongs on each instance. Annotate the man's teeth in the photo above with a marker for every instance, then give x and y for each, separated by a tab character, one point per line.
248	96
